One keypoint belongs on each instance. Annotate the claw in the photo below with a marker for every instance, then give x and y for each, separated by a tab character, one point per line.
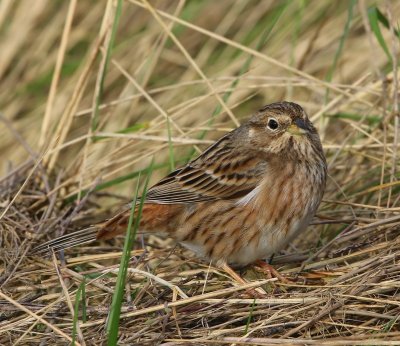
271	272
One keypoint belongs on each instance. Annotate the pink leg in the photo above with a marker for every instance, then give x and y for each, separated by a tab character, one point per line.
270	271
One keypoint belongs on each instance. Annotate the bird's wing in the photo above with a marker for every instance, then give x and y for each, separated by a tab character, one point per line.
223	171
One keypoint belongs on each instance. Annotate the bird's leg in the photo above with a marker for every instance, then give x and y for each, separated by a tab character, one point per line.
270	271
257	292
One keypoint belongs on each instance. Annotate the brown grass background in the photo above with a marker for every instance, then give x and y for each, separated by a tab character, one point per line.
171	66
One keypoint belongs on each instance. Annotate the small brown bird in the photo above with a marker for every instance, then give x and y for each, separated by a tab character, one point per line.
243	199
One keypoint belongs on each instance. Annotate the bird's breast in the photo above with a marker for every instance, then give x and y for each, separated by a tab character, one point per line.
286	199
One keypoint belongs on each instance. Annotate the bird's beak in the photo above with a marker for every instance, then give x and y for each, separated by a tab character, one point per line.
298	128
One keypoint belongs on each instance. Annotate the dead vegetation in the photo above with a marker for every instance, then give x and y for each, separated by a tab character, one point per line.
91	96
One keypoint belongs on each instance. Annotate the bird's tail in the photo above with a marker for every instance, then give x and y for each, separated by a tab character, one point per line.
160	218
83	236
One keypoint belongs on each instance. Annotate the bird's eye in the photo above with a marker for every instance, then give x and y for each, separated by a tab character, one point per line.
272	124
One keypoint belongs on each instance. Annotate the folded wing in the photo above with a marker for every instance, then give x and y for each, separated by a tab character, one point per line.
221	172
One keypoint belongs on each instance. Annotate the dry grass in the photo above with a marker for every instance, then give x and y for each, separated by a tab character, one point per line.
160	89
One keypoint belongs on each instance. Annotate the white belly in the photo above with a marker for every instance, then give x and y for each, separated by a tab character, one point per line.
271	241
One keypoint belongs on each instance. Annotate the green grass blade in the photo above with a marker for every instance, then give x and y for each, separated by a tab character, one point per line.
80	292
383	20
135	128
82	286
246	330
115	312
170	147
339	50
371	119
117	16
130	129
374	16
387	327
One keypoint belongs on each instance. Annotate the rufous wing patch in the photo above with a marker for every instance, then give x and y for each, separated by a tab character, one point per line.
154	218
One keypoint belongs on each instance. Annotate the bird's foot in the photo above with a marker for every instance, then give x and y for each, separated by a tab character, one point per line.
270	271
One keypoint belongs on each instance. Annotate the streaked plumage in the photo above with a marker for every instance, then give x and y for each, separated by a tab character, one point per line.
243	199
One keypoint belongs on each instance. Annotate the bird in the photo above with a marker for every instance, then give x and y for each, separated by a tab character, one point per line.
245	198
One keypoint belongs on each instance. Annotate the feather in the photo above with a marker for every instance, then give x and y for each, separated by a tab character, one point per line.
218	173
